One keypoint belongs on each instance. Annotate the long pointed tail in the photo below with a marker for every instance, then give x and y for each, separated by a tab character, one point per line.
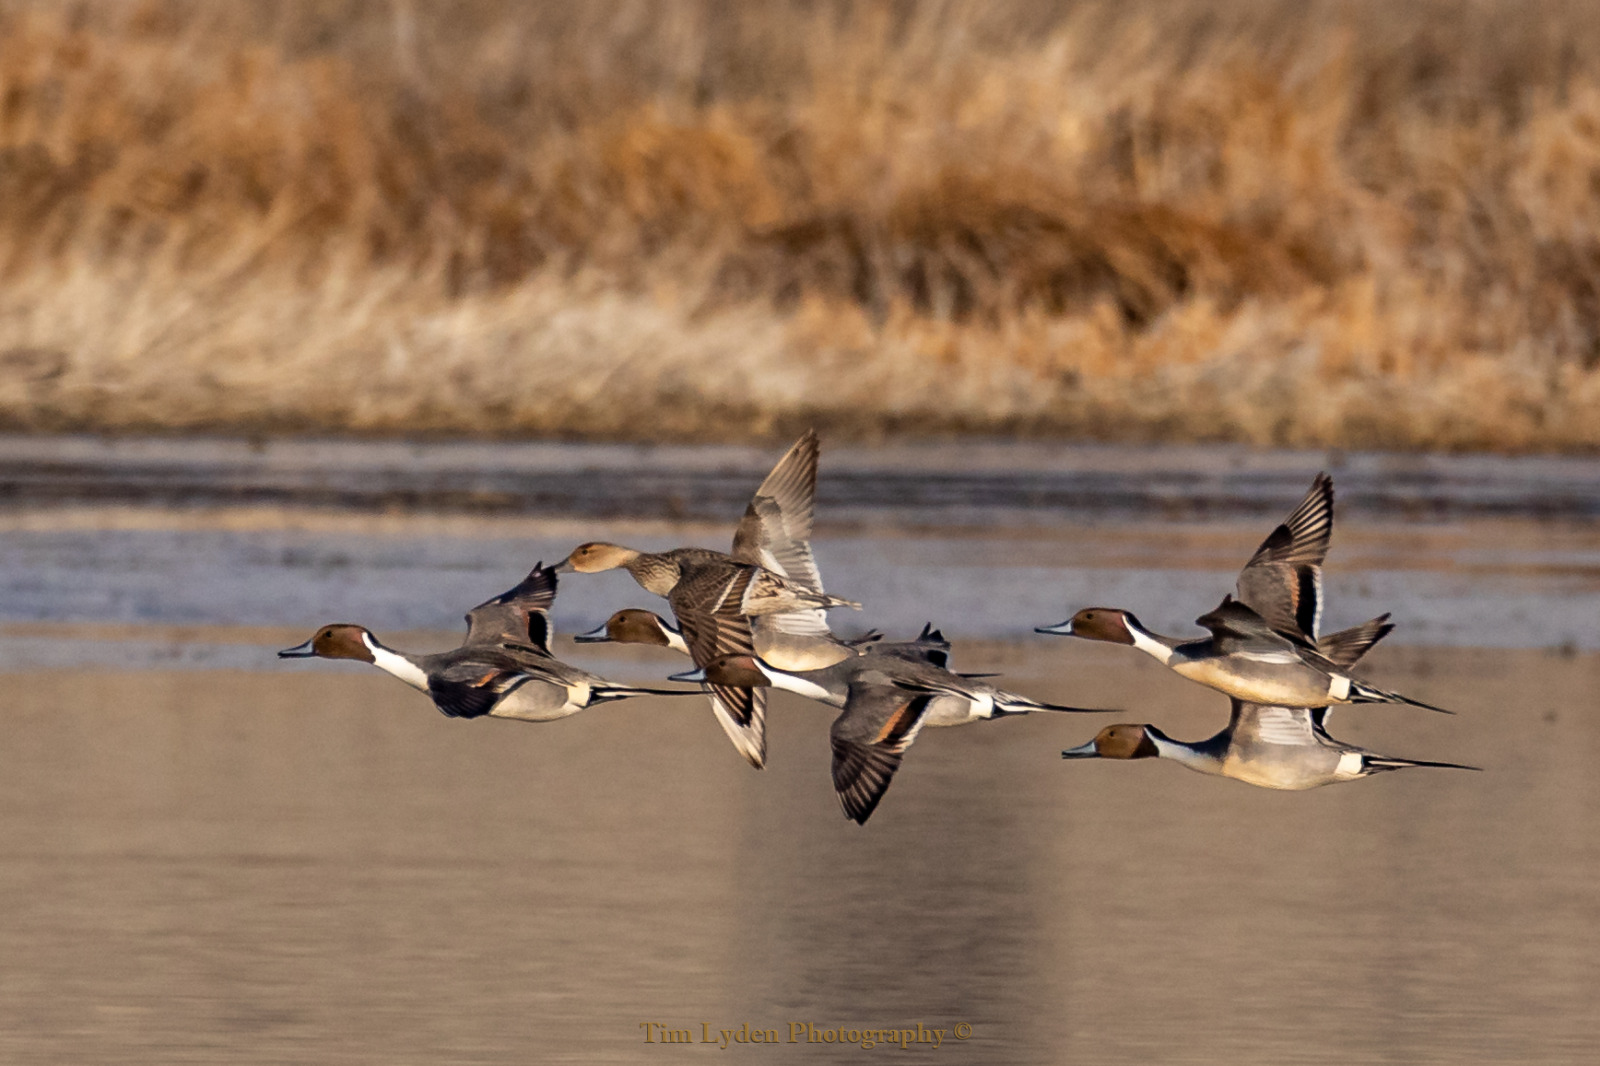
1011	703
607	691
1386	762
1004	702
1360	693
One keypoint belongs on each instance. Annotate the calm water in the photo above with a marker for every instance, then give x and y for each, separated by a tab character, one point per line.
316	867
208	856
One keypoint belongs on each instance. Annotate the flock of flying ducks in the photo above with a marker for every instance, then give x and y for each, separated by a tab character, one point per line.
754	619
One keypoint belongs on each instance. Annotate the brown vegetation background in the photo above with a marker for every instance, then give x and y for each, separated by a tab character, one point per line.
1281	222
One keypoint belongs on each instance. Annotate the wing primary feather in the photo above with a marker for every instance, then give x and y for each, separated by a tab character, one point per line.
866	753
861	776
775	531
1282	582
740	711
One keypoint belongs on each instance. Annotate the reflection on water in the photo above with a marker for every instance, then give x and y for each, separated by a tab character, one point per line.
314	866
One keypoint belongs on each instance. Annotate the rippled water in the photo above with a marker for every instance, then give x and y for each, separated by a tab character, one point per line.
209	856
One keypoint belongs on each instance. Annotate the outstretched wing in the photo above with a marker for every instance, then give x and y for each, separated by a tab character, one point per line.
775	532
741	711
520	615
1236	628
869	739
1282	582
1346	647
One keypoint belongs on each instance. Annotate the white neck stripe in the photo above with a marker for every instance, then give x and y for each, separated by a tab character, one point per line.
396	664
798	685
1147	644
1183	754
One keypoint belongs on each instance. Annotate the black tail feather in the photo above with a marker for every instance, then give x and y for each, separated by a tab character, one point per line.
1015	704
1035	705
1386	762
607	692
1360	693
1425	706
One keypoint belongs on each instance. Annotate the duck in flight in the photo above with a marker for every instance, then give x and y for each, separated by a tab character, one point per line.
1267	745
1262	647
503	668
765	596
886	694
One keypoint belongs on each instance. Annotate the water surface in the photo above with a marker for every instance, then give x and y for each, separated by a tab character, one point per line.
316	867
210	856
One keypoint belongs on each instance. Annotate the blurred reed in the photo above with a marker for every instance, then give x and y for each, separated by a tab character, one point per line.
1354	224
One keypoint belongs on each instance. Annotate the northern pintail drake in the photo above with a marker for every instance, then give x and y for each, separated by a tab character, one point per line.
1244	657
503	669
887	696
1282	581
766	594
1263	646
1264	745
635	626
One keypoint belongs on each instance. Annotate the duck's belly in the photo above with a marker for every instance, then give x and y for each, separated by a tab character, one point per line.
1286	685
1290	771
540	702
799	654
950	710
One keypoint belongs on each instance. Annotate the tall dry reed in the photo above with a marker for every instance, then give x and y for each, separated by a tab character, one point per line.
1356	224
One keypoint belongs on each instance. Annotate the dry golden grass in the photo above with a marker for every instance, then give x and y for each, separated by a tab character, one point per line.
1280	222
